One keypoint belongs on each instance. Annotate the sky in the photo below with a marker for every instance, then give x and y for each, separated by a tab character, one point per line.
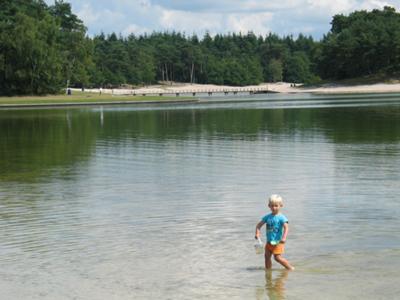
283	17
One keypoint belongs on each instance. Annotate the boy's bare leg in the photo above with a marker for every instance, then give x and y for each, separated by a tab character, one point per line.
283	262
267	256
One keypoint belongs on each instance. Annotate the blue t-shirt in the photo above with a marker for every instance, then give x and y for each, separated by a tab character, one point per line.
274	226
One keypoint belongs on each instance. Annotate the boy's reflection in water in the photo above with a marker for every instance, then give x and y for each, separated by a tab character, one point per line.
274	285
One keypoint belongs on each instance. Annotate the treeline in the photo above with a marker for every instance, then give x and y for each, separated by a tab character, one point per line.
232	59
42	47
363	43
45	48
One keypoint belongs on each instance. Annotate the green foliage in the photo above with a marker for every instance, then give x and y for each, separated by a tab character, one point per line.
274	71
363	43
45	48
31	63
41	48
298	68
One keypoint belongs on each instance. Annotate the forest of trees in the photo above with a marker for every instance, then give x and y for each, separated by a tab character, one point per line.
45	48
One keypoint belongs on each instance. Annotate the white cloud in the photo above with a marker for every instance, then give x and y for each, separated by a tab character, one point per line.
191	22
329	7
88	15
134	29
197	16
271	6
373	4
145	3
244	23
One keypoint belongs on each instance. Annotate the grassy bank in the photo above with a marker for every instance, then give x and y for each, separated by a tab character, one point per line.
82	98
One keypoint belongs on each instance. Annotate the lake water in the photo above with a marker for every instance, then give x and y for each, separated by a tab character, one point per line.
161	202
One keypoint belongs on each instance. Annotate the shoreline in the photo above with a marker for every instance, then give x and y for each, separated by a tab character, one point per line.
83	99
279	87
82	104
377	88
183	93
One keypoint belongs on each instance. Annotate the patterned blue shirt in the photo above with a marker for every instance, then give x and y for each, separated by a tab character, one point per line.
274	225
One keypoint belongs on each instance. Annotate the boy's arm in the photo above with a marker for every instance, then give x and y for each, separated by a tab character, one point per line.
285	232
258	227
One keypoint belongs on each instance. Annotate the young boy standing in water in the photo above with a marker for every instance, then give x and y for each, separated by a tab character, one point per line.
277	230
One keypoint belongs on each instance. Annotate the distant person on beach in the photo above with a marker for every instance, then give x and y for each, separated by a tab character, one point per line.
277	231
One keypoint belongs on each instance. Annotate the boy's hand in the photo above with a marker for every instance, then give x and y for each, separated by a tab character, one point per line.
283	241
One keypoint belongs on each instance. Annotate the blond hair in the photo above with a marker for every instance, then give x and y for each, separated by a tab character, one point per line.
275	199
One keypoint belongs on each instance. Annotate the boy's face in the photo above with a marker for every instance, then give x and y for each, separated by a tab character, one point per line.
275	207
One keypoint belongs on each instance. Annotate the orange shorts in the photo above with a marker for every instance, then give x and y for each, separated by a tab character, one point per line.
275	249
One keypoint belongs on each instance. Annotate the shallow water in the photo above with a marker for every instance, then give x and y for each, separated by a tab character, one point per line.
144	202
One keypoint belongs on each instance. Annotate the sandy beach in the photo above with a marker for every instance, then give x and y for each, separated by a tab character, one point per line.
347	89
162	93
279	87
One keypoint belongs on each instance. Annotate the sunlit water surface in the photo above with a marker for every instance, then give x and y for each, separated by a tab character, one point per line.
160	202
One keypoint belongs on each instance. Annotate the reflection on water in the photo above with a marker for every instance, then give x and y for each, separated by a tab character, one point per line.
35	141
151	202
274	285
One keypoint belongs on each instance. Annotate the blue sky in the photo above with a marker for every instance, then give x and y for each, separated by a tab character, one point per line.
311	17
